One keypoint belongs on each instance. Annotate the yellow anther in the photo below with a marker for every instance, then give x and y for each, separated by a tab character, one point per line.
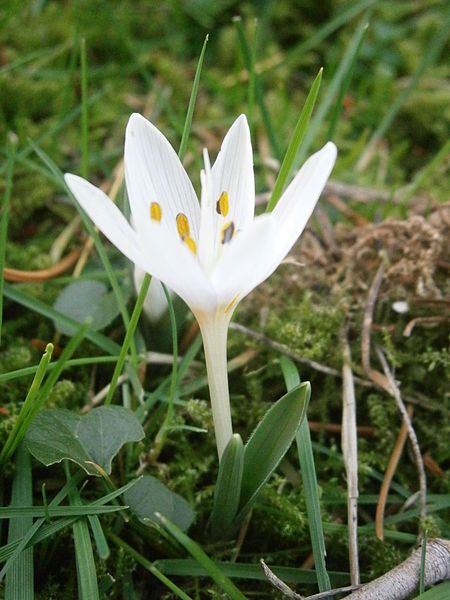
227	232
222	205
190	243
183	226
155	211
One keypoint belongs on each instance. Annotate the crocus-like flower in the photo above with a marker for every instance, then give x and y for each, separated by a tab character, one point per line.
211	253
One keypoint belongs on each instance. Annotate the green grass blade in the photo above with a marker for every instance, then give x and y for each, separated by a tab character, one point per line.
332	90
228	488
433	49
295	142
16	435
255	87
310	485
192	101
84	111
149	566
84	554
128	337
339	104
47	530
19	581
13	293
269	443
11	151
101	543
187	567
203	559
342	18
74	362
11	512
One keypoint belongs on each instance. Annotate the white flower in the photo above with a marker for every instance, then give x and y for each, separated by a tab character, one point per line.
211	254
155	303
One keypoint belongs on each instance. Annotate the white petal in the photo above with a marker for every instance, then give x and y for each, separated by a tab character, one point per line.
107	217
155	304
173	263
299	200
155	252
154	173
233	173
243	263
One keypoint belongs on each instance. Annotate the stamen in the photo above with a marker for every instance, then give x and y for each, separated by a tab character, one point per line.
190	243
222	205
183	226
227	232
155	211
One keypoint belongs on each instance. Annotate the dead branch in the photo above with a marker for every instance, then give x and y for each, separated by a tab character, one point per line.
402	581
42	274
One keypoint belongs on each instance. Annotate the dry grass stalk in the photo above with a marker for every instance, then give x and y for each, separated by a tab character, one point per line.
349	441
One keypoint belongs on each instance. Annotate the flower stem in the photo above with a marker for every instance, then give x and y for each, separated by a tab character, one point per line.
214	334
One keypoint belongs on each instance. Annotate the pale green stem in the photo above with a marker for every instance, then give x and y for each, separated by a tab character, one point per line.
214	333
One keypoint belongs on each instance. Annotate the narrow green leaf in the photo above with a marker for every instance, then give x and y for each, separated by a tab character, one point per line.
187	567
101	543
17	432
74	362
228	488
12	512
90	440
269	443
84	554
295	142
19	581
192	101
203	559
310	485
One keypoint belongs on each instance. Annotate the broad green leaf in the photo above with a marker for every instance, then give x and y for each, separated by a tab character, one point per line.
270	442
149	496
228	487
86	299
89	440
